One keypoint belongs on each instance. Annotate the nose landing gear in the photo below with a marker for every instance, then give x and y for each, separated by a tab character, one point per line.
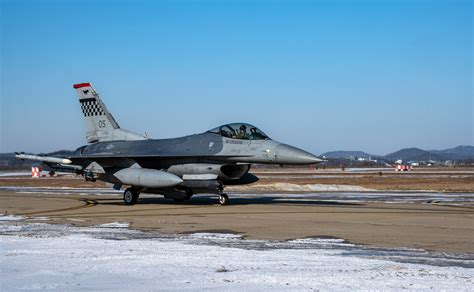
223	199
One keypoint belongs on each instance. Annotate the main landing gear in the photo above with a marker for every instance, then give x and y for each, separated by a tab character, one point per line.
181	199
130	196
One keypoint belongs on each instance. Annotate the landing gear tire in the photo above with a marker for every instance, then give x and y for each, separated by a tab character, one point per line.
223	199
130	196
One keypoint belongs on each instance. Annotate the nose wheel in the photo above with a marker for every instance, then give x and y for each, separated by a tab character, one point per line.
223	199
130	196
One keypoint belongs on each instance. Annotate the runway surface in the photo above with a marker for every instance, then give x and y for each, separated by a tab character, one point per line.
447	198
431	221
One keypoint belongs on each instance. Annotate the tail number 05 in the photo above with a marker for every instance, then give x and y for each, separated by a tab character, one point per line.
101	124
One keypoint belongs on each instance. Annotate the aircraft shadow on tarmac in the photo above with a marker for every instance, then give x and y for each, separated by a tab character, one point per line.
208	200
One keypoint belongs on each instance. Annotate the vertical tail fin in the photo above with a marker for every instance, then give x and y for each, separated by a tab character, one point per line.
100	124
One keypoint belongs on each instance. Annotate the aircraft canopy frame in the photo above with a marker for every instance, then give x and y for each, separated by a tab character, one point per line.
240	131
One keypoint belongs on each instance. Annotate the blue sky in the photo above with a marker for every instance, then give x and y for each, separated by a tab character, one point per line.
322	75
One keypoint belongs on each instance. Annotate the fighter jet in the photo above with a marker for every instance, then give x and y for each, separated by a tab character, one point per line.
175	168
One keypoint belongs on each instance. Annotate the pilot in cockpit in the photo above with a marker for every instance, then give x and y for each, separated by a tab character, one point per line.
254	134
242	133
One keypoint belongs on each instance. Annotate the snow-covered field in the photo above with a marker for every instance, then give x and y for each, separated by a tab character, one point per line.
14	173
113	257
289	187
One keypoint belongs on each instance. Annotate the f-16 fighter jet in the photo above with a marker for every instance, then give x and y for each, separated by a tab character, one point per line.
175	168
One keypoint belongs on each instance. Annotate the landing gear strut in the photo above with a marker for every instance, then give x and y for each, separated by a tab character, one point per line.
223	199
188	196
130	196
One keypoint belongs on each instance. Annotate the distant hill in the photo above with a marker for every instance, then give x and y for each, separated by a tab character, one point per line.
60	153
463	152
456	153
8	161
414	154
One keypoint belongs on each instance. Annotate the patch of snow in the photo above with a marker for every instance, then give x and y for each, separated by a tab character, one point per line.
61	257
62	190
115	225
336	188
15	173
11	218
38	219
288	187
206	235
371	196
323	241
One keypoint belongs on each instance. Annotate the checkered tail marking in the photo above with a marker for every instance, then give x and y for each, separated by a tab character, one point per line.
90	107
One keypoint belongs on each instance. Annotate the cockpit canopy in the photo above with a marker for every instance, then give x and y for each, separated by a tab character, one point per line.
240	131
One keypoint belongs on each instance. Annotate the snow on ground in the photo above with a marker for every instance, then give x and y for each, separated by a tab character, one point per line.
11	218
44	256
288	187
380	197
115	225
14	173
62	190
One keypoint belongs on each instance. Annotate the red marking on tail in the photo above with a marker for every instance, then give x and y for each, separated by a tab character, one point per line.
79	85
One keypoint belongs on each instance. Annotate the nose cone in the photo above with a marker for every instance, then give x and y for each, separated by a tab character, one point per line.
286	154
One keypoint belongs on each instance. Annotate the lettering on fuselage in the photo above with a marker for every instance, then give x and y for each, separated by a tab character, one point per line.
234	142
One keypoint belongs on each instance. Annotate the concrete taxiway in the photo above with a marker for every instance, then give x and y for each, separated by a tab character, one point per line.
430	221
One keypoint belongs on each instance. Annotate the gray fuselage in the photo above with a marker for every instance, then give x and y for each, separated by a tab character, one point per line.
206	147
